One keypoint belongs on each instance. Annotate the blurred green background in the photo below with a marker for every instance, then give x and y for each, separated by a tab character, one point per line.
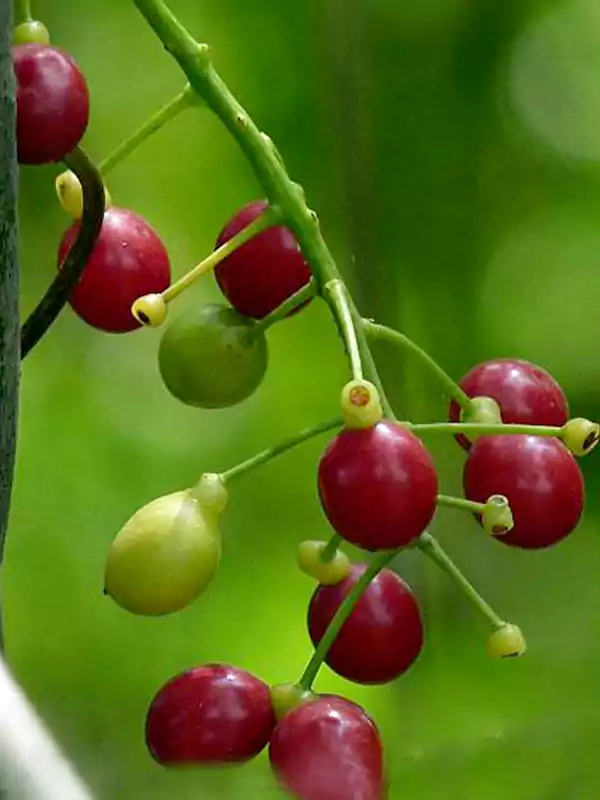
452	149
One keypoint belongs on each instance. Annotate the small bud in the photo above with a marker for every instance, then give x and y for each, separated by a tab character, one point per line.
497	518
507	642
361	406
484	411
150	310
70	195
31	32
286	696
580	435
211	493
327	573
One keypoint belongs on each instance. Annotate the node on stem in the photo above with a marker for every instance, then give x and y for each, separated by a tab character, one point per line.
580	435
361	404
507	642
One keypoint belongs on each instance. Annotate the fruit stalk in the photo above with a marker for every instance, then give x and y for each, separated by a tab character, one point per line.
56	296
281	191
460	503
9	275
22	11
294	302
185	99
481	429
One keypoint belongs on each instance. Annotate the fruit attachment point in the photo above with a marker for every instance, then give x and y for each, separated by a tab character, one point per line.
580	435
287	696
507	642
150	310
483	410
31	32
361	404
211	493
497	518
70	194
327	572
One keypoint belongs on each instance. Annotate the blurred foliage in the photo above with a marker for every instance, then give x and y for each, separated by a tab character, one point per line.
452	150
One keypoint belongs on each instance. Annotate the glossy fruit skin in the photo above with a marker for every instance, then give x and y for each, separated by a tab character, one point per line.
378	486
212	357
212	714
540	478
261	274
527	394
128	260
383	635
328	749
52	103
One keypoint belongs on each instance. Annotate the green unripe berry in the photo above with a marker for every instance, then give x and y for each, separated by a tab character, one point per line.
580	435
31	32
212	357
361	405
164	556
150	310
327	573
497	518
70	194
482	410
286	696
507	642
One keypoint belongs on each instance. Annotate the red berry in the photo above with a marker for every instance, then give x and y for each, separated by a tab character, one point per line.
383	635
328	749
378	486
52	103
129	260
213	714
261	274
541	480
527	394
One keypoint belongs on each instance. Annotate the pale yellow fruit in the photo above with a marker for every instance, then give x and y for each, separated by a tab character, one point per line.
164	556
70	195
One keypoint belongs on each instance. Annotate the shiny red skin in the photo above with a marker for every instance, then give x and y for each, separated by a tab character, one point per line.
53	104
378	486
212	714
261	274
540	478
129	260
329	749
383	635
526	393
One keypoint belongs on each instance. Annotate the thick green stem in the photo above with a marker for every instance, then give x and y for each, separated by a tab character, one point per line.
395	337
22	11
185	99
482	429
377	563
428	545
266	220
293	303
460	503
331	548
282	447
52	303
336	290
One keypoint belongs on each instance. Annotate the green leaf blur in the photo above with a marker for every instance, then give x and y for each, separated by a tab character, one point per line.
452	150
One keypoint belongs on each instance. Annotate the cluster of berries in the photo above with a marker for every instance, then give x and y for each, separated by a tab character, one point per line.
376	481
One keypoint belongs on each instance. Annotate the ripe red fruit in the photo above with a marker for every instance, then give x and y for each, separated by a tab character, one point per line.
526	393
213	714
541	480
383	635
378	486
129	260
52	103
328	749
261	274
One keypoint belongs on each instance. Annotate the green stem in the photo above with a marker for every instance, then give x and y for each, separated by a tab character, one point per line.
268	166
185	99
395	337
57	294
331	548
481	429
340	304
428	545
266	220
460	503
272	452
23	11
377	563
293	303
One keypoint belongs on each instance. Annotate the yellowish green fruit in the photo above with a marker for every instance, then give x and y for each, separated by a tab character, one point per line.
361	404
164	556
580	435
482	410
286	696
327	573
150	310
497	518
31	32
70	194
507	642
